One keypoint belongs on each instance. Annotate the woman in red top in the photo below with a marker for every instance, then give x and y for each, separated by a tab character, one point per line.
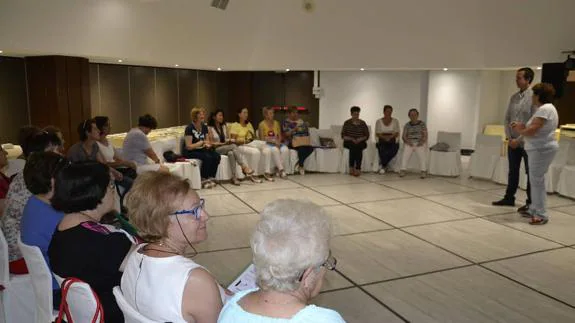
4	181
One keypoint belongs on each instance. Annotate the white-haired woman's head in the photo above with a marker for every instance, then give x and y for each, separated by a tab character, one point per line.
291	245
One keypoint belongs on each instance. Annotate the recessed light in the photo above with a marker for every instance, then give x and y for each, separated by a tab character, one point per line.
287	69
119	61
362	69
1	52
177	65
219	68
538	67
445	69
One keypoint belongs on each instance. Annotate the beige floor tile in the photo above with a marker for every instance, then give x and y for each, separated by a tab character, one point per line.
468	295
480	240
410	211
248	186
313	180
232	231
225	265
347	220
553	200
259	199
561	226
212	191
550	272
225	204
356	306
567	209
477	203
480	184
431	186
360	192
370	257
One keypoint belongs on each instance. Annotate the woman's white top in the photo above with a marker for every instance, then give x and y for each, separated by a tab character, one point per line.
392	127
155	286
107	152
545	136
215	134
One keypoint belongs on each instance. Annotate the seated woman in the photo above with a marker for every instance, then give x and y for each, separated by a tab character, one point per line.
39	219
242	133
197	145
386	131
137	148
218	134
18	196
269	131
111	157
4	180
293	128
160	281
291	254
415	139
355	134
81	247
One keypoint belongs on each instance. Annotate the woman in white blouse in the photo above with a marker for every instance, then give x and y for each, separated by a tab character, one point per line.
387	132
107	149
218	136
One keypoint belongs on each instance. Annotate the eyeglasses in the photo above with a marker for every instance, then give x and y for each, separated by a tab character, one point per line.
329	264
196	211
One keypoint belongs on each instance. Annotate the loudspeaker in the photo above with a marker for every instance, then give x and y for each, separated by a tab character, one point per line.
555	74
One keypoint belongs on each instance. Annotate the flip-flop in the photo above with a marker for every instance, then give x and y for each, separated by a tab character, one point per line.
538	221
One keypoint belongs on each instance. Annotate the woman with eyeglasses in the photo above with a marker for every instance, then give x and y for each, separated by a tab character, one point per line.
161	281
291	255
81	247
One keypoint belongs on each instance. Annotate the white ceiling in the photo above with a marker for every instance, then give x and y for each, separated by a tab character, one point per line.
279	34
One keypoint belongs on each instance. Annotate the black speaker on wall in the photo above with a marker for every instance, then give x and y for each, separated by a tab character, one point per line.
555	74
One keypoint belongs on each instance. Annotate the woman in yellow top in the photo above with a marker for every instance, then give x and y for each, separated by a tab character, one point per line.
269	131
242	134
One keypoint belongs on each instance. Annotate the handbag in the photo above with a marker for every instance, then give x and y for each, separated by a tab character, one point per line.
298	141
64	311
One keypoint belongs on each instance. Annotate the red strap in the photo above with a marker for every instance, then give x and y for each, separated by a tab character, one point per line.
64	309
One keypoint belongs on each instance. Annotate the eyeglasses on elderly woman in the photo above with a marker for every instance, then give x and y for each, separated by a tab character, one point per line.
330	263
195	211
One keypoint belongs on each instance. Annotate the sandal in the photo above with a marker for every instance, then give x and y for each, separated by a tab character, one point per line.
247	171
235	181
282	174
538	221
268	178
206	184
253	179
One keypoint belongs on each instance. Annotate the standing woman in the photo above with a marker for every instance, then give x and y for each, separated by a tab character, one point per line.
218	134
541	147
355	133
387	131
242	133
269	131
197	146
415	139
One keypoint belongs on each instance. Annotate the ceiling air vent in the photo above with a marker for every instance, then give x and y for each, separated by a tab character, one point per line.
220	4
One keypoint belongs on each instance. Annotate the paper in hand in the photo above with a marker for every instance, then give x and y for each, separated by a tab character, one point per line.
246	280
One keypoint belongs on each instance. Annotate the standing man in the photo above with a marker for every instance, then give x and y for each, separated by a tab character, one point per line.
520	109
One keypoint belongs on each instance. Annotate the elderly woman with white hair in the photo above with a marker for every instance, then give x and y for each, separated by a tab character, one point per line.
291	255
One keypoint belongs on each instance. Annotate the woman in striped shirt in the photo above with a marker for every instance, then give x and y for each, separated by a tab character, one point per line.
355	134
415	139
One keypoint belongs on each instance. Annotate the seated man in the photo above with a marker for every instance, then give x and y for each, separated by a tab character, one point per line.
137	147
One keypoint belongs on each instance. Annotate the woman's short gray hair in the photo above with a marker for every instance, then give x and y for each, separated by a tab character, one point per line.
290	237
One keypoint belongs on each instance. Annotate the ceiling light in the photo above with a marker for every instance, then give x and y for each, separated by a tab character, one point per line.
219	68
177	65
362	69
1	52
538	67
445	69
119	61
287	69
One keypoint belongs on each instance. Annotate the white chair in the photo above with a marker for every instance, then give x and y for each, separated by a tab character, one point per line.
565	155
485	157
566	184
14	167
14	151
41	279
130	313
446	163
17	295
81	301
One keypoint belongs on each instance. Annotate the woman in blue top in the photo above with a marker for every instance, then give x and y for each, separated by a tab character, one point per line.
291	255
541	147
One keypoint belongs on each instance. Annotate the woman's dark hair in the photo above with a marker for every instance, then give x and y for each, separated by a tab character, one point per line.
545	92
24	135
85	126
292	108
148	121
386	107
412	110
40	141
355	109
528	74
238	114
212	120
40	168
101	121
80	187
52	129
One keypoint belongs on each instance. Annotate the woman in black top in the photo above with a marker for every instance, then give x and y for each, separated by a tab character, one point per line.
355	133
81	247
198	146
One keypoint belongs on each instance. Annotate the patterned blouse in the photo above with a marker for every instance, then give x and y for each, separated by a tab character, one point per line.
16	199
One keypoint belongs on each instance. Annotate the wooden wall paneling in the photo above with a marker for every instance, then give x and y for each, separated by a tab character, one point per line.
239	93
78	88
142	92
207	90
95	90
115	96
566	104
167	97
41	75
298	92
188	93
13	98
267	90
86	90
222	91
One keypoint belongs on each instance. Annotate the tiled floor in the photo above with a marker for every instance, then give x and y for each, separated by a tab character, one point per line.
412	250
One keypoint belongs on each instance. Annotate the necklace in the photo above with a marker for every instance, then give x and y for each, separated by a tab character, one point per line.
88	216
160	244
297	300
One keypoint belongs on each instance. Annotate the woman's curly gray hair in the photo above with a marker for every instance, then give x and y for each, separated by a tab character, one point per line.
290	237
